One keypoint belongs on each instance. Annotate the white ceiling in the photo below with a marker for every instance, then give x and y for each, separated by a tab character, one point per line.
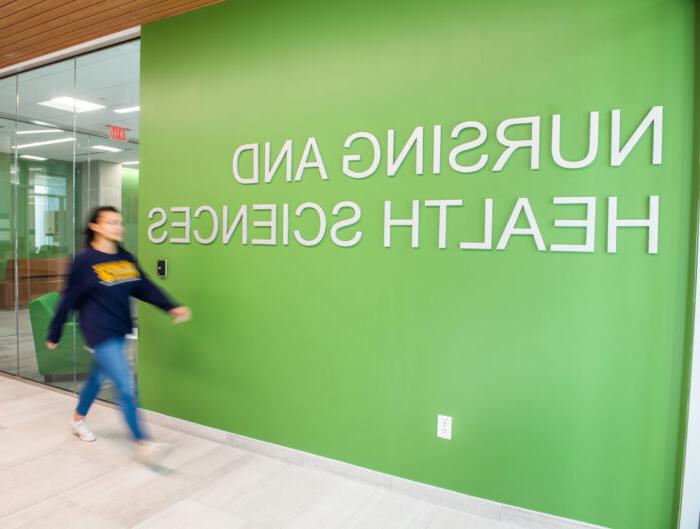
109	77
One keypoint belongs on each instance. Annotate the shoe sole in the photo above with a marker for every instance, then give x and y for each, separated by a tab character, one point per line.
85	440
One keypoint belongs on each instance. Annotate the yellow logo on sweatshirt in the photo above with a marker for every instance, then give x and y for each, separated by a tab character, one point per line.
116	272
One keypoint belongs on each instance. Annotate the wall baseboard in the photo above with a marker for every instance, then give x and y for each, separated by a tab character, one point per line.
515	516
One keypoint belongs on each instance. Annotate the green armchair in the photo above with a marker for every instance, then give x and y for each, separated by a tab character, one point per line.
59	362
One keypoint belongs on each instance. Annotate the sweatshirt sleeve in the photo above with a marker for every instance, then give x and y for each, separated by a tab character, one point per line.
76	286
147	291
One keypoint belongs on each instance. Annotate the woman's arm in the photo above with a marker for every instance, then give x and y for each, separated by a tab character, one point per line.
76	286
147	291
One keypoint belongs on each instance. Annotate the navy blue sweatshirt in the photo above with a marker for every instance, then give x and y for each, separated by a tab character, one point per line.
99	285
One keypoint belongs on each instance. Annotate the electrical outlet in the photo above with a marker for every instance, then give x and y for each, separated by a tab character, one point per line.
444	427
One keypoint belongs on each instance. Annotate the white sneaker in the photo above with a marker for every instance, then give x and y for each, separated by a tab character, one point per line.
81	429
150	452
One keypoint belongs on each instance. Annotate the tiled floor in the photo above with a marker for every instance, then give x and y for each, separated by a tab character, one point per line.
8	343
49	479
18	355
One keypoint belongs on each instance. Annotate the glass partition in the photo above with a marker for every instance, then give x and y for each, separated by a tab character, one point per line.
68	143
8	315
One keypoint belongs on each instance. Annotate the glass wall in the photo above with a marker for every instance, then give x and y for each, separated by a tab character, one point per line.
8	316
68	143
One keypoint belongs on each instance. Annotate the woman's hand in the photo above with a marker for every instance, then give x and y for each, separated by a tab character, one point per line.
180	314
51	345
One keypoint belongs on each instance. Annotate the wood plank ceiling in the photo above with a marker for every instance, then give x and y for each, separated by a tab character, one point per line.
32	28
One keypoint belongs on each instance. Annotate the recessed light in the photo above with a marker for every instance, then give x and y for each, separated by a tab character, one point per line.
38	131
130	163
71	104
126	110
43	123
106	148
30	157
47	142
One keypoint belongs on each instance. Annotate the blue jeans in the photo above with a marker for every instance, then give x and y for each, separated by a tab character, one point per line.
110	362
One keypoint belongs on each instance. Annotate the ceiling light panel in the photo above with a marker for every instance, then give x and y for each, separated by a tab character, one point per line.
71	104
106	148
38	131
126	110
47	142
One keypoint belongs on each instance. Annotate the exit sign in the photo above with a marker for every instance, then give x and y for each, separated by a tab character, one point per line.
117	133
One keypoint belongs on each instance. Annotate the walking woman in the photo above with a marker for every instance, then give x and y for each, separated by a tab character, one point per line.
102	278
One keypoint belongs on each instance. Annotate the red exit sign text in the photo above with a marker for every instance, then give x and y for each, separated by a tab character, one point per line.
117	133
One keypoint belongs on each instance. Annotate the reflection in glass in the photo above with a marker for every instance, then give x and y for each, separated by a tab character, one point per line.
57	161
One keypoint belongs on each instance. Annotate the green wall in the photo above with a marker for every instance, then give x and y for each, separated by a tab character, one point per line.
563	372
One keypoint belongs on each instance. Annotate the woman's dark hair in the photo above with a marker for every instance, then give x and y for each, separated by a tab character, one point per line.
94	219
